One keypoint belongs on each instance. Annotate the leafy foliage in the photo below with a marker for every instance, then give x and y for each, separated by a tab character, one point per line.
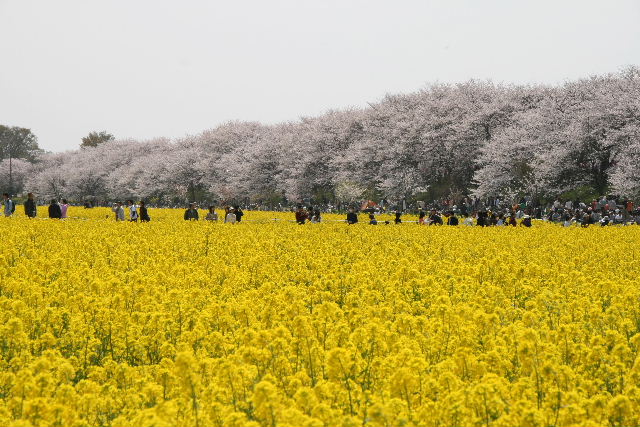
96	138
18	143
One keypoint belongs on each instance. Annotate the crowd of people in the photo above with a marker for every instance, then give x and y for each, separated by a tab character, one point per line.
56	210
232	214
434	217
603	211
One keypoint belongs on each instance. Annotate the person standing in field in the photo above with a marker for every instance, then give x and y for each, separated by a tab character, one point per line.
231	217
30	208
119	211
238	213
301	215
54	210
421	216
144	214
629	206
64	208
398	220
133	211
212	215
352	217
9	206
191	214
452	219
372	219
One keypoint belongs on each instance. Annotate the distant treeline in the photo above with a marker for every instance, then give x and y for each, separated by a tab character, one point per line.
577	140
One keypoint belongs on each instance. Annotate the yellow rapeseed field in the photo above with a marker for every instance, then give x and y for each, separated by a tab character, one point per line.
268	323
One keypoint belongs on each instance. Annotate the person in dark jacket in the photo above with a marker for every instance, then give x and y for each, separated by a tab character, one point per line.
191	214
435	218
144	214
30	208
482	219
352	217
238	213
398	215
452	219
54	210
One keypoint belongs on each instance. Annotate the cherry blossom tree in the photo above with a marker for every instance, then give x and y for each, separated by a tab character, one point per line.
470	138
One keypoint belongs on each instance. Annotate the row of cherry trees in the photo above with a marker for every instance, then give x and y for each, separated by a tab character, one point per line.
474	138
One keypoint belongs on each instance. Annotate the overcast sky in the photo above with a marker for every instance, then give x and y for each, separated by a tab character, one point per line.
169	68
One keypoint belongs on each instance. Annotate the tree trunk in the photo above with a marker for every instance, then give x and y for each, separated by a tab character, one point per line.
10	175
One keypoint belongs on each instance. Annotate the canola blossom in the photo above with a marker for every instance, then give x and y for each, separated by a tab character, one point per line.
267	323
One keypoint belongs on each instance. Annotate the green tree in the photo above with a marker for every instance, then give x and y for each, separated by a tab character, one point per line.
96	138
17	143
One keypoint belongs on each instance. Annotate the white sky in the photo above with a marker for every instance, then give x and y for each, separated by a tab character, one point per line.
169	68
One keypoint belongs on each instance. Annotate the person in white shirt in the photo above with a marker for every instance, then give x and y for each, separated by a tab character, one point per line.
231	217
133	211
9	205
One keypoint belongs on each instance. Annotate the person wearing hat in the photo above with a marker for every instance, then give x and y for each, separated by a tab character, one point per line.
116	208
526	221
301	215
231	216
